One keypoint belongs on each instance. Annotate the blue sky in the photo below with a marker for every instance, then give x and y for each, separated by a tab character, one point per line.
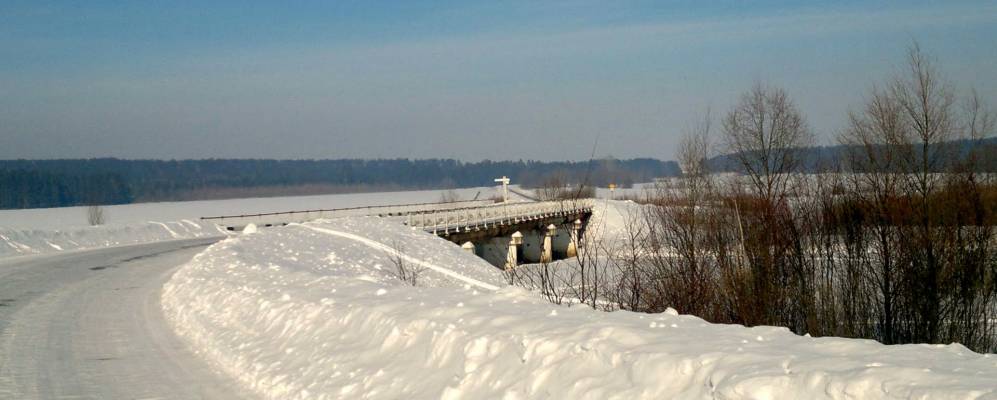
468	80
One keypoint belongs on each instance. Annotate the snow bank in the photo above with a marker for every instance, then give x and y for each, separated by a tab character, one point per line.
15	242
611	219
314	311
43	230
130	214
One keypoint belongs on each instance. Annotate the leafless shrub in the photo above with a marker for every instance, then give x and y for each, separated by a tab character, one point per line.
548	279
582	279
95	215
513	276
449	196
929	234
683	276
556	187
589	282
404	271
895	244
581	191
625	259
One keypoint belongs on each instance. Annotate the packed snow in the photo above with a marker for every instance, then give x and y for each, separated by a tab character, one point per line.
137	213
317	311
45	230
16	242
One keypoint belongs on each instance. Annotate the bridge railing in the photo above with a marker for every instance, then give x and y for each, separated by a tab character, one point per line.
473	218
285	217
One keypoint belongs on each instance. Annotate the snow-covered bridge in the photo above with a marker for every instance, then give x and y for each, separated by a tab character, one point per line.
237	222
503	233
508	233
462	221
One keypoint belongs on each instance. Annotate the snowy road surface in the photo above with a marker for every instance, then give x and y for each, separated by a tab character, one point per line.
88	325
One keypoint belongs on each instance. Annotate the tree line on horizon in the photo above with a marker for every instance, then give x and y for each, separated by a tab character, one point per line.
72	182
105	181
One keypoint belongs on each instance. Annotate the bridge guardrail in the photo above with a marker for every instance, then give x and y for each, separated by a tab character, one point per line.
285	217
465	219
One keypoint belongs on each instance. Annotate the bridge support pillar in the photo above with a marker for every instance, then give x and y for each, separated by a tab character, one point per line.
512	257
548	250
576	227
468	246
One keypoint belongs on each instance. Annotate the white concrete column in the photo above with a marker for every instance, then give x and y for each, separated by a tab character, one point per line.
511	257
576	227
548	251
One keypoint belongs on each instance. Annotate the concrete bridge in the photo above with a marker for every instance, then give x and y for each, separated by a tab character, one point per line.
508	234
505	234
237	222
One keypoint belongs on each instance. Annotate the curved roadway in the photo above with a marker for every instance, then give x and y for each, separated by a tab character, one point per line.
88	325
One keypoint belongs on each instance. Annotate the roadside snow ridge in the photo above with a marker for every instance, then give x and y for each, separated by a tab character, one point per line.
304	313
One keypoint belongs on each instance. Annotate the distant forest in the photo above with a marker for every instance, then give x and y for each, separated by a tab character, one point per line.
59	183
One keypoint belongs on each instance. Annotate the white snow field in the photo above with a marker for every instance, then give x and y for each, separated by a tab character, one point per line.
314	311
15	242
46	230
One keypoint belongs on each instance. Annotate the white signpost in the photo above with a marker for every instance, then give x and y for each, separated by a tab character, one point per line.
505	187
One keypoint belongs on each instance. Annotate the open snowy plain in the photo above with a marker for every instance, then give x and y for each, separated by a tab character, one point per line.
316	311
46	230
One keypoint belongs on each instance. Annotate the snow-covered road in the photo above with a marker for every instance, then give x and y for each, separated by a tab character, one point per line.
88	325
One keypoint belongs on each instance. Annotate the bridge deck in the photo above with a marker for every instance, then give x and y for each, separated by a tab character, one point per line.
438	218
234	222
445	222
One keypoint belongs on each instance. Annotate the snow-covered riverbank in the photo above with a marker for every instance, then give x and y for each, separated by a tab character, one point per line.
45	230
17	242
315	311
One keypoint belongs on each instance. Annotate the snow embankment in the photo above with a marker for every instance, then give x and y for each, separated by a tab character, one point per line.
611	219
315	311
15	242
44	230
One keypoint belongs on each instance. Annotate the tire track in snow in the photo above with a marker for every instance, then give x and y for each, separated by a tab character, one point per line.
170	231
393	252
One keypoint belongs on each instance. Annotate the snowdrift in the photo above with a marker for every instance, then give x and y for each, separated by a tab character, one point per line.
44	230
14	242
314	311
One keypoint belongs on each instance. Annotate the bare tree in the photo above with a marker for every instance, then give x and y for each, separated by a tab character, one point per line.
681	276
979	124
95	215
901	250
874	137
919	200
694	150
765	133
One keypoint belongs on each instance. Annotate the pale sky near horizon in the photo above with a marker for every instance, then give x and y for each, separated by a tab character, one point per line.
469	80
